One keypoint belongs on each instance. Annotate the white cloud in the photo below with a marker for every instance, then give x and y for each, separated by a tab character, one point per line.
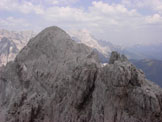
106	8
14	23
62	2
155	5
115	22
98	16
156	18
23	6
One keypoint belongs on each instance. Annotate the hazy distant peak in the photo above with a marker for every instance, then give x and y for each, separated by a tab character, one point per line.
11	42
85	37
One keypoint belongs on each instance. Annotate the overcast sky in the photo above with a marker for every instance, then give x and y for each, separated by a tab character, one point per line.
123	22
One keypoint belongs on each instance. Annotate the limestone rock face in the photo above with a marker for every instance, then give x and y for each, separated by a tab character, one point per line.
54	79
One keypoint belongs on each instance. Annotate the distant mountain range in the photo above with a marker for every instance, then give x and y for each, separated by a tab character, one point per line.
148	57
8	50
12	42
152	51
151	68
83	36
103	48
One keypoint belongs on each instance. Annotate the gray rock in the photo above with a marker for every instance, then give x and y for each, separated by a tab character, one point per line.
54	79
117	57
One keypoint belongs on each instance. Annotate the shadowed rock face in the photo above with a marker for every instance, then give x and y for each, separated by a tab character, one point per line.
54	79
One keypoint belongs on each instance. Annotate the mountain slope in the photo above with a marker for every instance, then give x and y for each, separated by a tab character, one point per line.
152	69
54	79
12	42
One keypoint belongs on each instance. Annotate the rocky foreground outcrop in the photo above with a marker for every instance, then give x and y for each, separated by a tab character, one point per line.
54	79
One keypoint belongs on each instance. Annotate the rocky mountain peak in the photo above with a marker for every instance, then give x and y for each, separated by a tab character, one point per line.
54	79
115	56
54	32
53	43
51	36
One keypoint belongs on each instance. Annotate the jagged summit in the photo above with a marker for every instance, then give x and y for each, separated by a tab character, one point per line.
54	79
115	56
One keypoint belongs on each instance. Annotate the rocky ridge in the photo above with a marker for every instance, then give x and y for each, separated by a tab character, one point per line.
54	79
